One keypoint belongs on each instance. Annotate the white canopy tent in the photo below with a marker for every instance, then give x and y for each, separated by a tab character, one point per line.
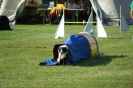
111	9
12	8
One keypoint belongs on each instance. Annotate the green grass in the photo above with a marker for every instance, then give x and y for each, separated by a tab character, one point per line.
24	48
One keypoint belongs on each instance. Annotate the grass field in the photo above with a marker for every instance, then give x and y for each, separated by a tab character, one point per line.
24	48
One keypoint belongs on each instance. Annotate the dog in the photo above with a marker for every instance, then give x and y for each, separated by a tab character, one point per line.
63	54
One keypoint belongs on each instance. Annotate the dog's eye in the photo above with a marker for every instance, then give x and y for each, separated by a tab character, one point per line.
64	50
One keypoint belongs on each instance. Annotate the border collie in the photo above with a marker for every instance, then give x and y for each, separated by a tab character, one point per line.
63	53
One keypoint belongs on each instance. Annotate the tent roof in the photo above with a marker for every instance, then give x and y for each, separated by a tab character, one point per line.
12	8
111	8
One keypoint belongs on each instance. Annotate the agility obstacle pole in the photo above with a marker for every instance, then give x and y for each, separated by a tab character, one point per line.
101	32
123	23
89	26
60	33
80	22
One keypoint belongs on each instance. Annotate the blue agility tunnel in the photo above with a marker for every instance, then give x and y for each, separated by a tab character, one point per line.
81	46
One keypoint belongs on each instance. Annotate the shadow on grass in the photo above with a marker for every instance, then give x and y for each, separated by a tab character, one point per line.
98	61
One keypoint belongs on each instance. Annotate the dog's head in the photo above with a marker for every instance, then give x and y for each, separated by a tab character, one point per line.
63	49
63	53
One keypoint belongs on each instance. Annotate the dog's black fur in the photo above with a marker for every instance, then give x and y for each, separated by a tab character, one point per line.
4	23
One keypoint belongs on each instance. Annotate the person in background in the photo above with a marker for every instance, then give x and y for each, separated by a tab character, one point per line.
57	12
84	14
131	11
76	1
72	5
63	2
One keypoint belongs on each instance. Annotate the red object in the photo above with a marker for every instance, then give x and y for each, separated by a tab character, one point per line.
55	14
1	1
55	51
